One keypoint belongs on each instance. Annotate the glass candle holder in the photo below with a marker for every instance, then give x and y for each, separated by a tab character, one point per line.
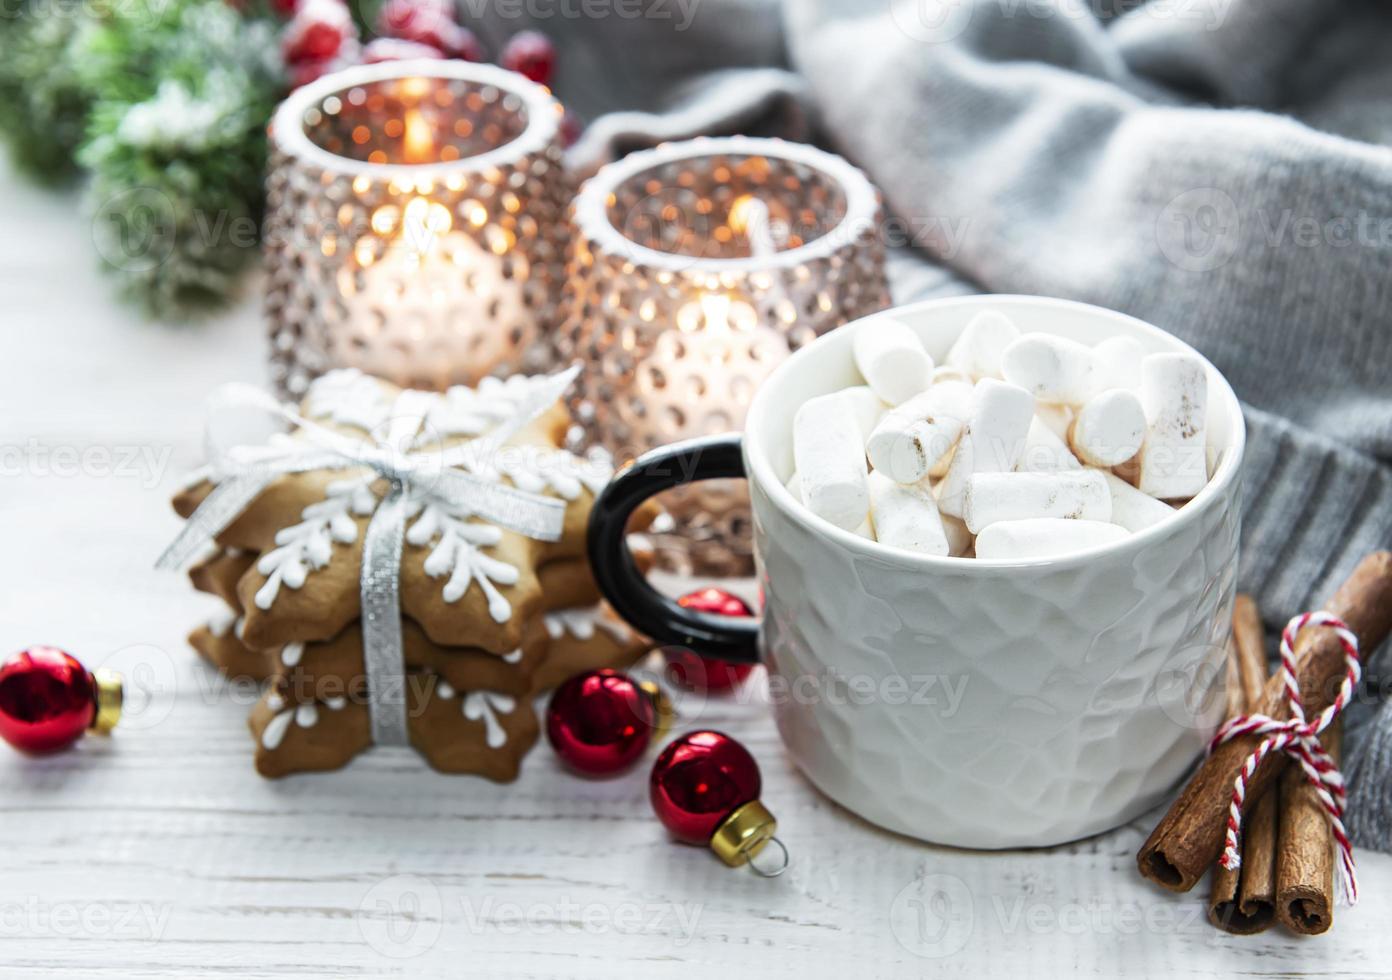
415	225
695	269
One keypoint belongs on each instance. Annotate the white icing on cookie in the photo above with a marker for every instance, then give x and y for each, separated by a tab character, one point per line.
307	546
540	468
304	715
222	622
581	622
291	653
485	706
274	732
513	657
457	553
454	534
348	397
464	411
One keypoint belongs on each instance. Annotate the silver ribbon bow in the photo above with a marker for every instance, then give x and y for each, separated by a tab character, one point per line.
449	475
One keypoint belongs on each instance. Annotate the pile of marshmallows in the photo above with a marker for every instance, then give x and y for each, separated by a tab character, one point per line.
1019	446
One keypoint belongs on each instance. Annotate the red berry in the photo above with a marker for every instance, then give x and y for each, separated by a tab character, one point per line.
286	8
314	42
395	49
532	54
317	31
429	22
400	15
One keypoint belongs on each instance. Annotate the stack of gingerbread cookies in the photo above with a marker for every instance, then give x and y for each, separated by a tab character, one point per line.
489	617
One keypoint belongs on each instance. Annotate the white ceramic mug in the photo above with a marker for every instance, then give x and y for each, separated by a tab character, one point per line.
966	702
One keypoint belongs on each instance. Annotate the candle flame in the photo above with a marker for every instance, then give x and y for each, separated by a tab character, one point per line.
422	222
418	143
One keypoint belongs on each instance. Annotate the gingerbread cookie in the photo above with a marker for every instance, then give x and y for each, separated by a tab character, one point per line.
465	580
483	733
330	668
472	592
587	638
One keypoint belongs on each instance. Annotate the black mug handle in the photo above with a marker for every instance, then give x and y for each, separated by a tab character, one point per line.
617	574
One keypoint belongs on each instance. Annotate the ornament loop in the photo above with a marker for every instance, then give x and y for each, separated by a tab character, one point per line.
772	872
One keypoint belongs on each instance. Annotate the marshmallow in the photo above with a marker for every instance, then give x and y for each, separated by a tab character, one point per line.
866	406
891	359
959	539
1132	509
830	460
946	372
978	348
1045	538
1117	364
992	442
1057	417
1052	369
1174	394
995	497
912	439
1045	451
1109	429
906	516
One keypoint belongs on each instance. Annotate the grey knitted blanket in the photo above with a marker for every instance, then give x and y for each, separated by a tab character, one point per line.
1217	167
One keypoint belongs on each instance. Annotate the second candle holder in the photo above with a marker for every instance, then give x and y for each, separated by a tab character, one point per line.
695	269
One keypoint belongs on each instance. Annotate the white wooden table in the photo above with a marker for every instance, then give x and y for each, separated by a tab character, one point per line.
159	852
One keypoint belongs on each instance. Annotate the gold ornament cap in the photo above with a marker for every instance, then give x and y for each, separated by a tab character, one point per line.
743	834
108	693
664	712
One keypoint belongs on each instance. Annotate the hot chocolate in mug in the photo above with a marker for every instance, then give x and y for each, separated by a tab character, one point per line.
967	702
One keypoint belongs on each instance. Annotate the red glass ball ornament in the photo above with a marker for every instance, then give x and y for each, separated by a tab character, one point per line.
698	673
532	54
600	722
47	700
699	780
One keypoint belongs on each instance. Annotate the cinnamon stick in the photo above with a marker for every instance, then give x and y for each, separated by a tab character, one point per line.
1244	900
1189	839
1305	852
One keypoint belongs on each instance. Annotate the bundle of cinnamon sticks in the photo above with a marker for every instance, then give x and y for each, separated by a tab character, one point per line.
1287	869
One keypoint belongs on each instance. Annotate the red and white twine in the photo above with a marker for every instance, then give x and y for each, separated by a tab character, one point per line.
1300	740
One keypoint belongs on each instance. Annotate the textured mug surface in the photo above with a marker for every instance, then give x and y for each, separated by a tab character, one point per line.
992	703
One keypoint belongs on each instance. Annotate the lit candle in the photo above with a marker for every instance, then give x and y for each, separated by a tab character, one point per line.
697	267
415	224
